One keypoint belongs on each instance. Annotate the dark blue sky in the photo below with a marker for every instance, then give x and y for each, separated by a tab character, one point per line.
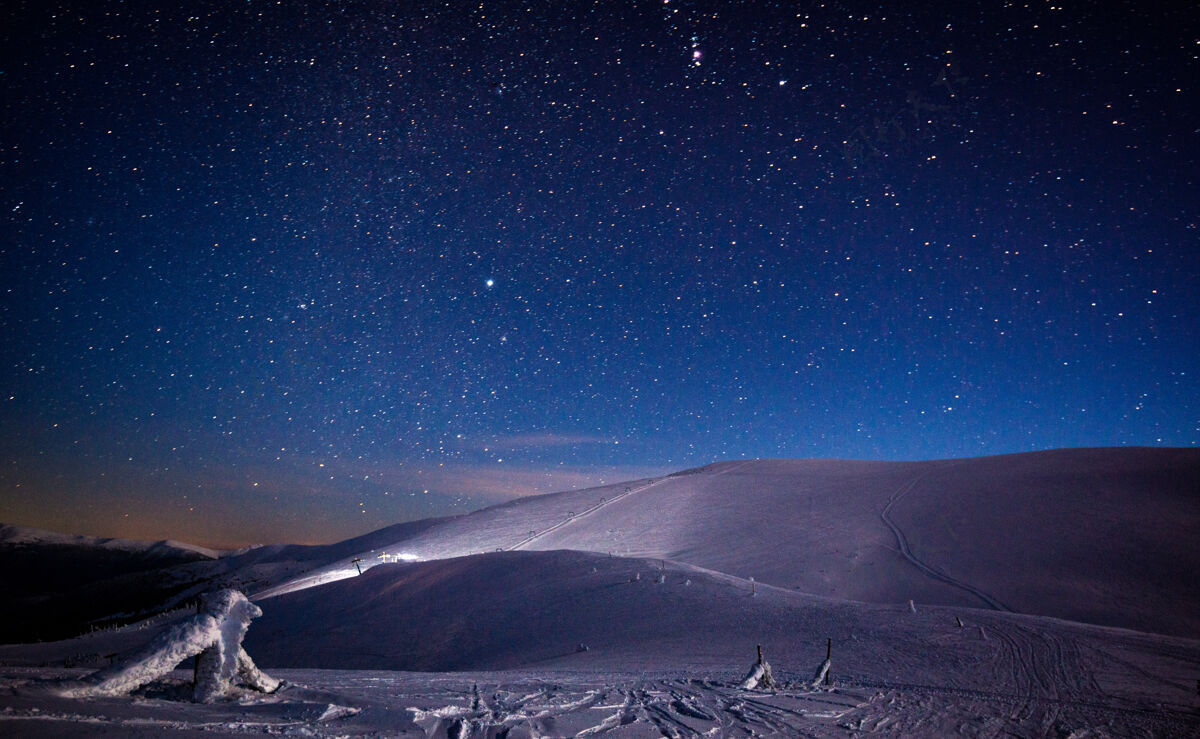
289	272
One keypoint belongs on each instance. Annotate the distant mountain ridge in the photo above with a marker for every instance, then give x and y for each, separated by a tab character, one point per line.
60	585
11	535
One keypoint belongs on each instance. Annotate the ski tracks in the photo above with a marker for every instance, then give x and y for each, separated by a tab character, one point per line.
667	707
928	569
604	502
1050	682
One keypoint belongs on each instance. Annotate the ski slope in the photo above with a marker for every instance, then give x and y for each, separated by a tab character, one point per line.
1103	536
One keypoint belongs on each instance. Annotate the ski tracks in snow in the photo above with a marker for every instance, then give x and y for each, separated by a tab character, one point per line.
1043	685
1046	672
928	569
665	707
604	502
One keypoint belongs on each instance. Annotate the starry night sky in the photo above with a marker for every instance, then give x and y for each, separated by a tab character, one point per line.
294	271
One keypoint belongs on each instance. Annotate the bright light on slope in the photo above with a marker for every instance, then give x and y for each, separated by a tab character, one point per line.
401	557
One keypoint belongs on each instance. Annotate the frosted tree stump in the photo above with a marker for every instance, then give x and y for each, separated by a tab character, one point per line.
213	636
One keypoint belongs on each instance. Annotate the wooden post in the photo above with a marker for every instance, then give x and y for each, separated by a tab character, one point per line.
760	654
959	621
357	566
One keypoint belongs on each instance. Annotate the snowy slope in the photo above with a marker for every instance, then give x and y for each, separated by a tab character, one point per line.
663	658
670	618
533	610
1104	536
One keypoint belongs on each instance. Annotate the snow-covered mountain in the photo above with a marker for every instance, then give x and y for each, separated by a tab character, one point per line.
14	536
1102	536
55	584
966	596
583	611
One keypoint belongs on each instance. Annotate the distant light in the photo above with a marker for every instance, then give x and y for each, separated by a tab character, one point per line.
401	557
490	282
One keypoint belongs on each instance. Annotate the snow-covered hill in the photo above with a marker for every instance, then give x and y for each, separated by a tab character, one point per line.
630	609
568	643
507	610
1103	536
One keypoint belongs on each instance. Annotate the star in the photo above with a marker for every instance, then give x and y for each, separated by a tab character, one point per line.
885	233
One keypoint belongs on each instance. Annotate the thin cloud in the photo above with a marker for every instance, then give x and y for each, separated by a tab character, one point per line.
538	441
